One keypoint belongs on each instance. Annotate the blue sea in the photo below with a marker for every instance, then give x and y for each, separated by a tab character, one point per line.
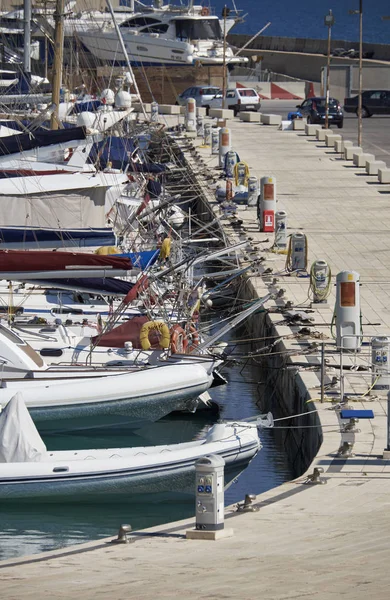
305	19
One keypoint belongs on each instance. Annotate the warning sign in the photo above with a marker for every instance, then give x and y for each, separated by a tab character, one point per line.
268	191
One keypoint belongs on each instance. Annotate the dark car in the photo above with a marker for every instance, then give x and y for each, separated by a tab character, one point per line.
314	111
374	102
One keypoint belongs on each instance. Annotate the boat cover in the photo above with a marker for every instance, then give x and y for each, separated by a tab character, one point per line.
143	259
19	438
127	332
92	236
95	285
14	144
118	151
44	260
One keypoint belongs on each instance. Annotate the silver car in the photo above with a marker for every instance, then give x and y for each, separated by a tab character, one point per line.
201	93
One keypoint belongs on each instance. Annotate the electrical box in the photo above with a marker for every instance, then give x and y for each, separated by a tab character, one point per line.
214	141
207	134
190	115
298	251
253	191
267	203
224	144
154	111
347	309
281	229
380	363
209	493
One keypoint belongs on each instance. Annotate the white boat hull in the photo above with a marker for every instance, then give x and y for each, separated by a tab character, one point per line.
135	397
102	475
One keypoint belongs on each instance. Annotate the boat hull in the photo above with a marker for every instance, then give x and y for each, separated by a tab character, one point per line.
100	488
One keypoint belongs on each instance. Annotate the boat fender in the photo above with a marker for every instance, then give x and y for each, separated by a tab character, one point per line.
179	340
165	249
161	328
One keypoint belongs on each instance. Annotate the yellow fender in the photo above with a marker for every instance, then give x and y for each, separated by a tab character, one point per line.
106	250
165	249
159	326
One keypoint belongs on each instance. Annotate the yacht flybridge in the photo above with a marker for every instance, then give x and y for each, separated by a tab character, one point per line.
162	35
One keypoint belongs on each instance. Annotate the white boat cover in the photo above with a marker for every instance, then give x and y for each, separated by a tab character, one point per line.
19	438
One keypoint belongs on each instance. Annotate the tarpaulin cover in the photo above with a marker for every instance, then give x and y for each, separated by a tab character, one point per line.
118	152
19	438
14	144
96	285
127	332
42	260
140	260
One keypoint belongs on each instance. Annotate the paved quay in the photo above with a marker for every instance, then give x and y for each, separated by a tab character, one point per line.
316	541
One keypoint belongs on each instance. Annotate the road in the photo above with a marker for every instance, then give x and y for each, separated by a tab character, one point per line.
376	129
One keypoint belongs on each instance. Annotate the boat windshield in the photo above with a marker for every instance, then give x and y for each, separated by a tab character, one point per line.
191	29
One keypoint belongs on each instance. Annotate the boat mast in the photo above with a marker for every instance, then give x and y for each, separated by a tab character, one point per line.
58	60
123	47
27	36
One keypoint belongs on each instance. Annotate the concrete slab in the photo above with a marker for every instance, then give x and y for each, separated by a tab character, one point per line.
360	159
320	134
299	125
340	145
384	175
250	117
196	534
221	113
372	166
331	138
271	119
169	109
349	152
310	129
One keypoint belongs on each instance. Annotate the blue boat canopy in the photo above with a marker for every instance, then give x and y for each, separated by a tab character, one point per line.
14	144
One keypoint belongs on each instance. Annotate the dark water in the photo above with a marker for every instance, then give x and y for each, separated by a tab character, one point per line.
305	19
54	526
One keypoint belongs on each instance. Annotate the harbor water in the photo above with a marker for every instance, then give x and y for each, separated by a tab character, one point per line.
44	528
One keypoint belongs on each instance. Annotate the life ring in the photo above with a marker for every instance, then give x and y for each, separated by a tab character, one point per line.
194	339
205	11
161	328
179	340
68	154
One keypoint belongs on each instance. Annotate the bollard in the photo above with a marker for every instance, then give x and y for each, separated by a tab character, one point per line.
380	363
190	115
209	493
347	310
207	134
281	229
154	111
215	141
320	279
224	144
230	163
253	191
199	126
267	204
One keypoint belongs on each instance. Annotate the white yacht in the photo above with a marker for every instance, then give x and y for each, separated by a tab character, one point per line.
162	35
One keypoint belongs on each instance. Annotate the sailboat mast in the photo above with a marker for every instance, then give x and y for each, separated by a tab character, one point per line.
58	59
123	47
27	36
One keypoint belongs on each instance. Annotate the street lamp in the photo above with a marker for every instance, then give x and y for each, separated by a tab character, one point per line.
329	21
360	124
225	14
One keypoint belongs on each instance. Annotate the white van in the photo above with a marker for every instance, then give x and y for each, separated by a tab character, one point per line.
238	99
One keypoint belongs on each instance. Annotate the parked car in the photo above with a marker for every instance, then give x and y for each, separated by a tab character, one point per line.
374	102
201	93
238	99
314	111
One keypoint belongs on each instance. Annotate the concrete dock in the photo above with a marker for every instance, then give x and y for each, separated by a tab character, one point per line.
317	537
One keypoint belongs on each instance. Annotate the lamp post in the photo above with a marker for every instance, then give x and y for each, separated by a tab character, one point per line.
359	113
225	13
329	21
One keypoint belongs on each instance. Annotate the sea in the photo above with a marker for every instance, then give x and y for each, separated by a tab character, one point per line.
305	19
41	528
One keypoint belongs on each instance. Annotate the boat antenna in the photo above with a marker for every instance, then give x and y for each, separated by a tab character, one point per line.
120	38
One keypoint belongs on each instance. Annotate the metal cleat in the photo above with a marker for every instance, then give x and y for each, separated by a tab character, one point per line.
247	505
315	478
345	450
122	535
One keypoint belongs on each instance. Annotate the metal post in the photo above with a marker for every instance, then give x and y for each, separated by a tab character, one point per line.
329	21
388	422
224	14
27	36
360	128
58	60
322	371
